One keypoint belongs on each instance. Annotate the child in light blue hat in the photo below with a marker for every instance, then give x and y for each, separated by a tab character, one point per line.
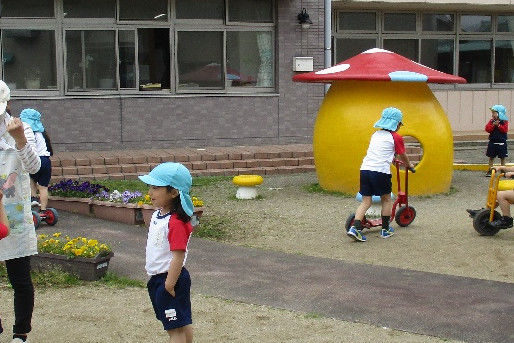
375	171
166	248
41	179
497	127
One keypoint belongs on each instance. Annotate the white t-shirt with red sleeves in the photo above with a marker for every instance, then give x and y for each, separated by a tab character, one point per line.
382	147
165	234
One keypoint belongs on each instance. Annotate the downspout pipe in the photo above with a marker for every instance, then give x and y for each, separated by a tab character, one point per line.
328	37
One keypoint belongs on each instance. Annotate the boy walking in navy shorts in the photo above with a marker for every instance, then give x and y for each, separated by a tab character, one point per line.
375	171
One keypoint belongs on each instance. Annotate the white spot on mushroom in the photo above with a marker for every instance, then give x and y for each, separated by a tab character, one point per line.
335	69
407	76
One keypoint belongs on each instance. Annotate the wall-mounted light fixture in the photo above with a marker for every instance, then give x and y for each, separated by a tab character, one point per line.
304	20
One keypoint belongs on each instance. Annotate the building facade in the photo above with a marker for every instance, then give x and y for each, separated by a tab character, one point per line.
126	74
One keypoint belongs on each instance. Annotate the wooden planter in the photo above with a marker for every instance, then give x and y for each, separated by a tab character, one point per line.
74	205
89	269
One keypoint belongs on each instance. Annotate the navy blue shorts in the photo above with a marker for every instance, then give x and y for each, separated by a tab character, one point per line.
497	150
42	177
173	312
375	183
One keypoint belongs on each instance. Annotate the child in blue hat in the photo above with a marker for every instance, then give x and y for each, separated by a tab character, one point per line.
41	179
375	171
166	248
497	127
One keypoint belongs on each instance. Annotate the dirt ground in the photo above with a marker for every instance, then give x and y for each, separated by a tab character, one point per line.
288	219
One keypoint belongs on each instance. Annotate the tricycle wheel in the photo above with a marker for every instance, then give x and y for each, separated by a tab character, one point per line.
349	222
36	218
405	215
481	222
51	216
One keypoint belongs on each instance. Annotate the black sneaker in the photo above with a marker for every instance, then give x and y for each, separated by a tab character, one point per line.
488	174
503	223
472	213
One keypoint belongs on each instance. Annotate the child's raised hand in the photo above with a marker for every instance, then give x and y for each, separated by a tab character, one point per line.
15	129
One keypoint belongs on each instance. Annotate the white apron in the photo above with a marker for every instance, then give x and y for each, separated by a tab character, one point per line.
15	184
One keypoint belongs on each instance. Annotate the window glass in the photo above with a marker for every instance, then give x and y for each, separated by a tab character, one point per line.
200	9
357	21
90	60
399	22
27	8
475	60
438	22
29	59
154	58
126	51
438	54
348	47
252	11
475	23
405	47
144	10
506	23
200	59
89	8
249	59
504	61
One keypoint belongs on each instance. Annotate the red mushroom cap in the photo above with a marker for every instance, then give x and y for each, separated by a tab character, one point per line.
379	65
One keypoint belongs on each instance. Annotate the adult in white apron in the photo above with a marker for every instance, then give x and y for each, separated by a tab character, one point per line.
18	158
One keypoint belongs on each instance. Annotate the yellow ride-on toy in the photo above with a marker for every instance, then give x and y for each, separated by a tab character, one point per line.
482	218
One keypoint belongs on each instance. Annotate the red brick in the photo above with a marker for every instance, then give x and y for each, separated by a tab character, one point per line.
111	160
84	170
82	162
111	169
261	155
234	156
116	176
142	168
97	160
198	165
100	176
286	154
298	154
195	158
68	162
181	158
125	160
56	171
247	156
291	162
306	161
69	171
128	168
139	159
153	159
101	169
131	176
239	164
56	161
208	157
252	163
221	157
86	177
188	165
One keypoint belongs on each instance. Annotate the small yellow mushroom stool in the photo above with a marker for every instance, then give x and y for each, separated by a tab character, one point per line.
247	183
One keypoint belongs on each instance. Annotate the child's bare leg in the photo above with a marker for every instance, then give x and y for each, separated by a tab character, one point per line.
189	333
363	207
502	161
491	162
179	335
387	204
505	198
43	197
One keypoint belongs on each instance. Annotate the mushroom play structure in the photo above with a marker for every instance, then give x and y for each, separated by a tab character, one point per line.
362	87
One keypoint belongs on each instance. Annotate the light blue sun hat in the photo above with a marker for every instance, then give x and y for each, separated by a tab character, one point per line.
33	118
391	116
174	175
501	110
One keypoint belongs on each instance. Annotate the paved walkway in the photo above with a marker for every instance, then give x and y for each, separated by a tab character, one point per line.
444	306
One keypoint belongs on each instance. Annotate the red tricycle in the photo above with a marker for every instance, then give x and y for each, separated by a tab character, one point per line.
405	213
49	216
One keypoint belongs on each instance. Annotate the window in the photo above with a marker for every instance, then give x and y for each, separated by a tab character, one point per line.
475	60
358	21
27	8
154	58
438	22
200	60
154	10
249	59
90	60
24	67
127	56
399	22
479	47
89	8
251	11
200	9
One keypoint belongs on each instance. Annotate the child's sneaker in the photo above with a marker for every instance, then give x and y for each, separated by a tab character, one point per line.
503	223
488	174
386	233
356	234
34	201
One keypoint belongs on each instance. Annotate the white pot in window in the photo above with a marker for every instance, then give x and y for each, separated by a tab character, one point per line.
33	83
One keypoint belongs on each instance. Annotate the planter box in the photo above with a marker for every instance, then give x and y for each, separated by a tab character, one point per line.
75	205
89	269
122	213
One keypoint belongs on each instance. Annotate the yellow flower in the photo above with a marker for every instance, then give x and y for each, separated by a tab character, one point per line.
92	242
84	240
42	236
139	203
57	234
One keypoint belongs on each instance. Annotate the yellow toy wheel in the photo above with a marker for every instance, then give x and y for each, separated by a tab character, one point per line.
247	180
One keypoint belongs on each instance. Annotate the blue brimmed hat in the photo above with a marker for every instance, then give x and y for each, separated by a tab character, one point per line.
500	109
174	175
33	118
391	116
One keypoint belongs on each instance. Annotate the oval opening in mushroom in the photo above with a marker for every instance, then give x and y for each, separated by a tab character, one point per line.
414	149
